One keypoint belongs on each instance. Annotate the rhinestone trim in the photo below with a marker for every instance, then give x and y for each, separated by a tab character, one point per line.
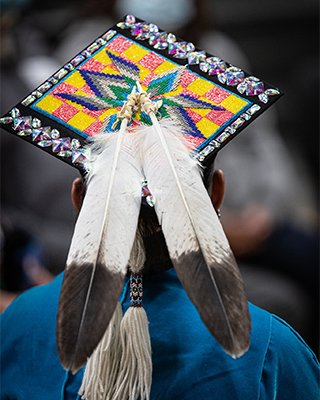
56	78
49	137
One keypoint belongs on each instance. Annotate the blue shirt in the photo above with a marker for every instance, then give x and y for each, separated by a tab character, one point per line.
187	361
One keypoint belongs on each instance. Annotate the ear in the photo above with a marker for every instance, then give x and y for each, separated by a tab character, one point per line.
218	189
77	193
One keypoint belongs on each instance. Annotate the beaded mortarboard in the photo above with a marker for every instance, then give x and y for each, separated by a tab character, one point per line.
210	99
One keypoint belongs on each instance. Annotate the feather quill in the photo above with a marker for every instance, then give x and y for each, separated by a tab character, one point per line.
100	250
196	242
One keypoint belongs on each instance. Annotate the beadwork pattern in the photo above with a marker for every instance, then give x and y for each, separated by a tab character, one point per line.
136	290
208	98
145	192
88	99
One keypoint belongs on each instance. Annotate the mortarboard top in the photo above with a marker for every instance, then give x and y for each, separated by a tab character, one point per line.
210	99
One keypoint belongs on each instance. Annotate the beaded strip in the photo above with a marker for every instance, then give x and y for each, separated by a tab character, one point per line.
136	290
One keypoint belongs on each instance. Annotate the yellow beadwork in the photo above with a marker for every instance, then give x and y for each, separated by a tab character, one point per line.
81	121
49	103
207	127
103	57
200	86
233	103
164	67
105	114
75	105
144	72
76	80
135	53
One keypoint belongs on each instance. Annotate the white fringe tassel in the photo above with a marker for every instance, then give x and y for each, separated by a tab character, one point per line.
120	368
102	367
135	375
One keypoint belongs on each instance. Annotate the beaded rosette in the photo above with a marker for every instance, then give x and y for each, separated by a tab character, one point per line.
210	99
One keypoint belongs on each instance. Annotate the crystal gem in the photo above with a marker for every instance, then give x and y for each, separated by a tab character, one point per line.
230	129
93	47
223	137
194	154
22	123
204	66
264	98
140	30
6	120
37	94
30	99
190	47
237	123
222	78
55	134
44	87
44	143
241	88
150	200
207	150
81	156
108	35
144	189
216	65
153	28
159	41
253	109
41	134
171	38
234	76
272	92
36	123
245	116
172	47
60	74
15	113
101	41
26	132
178	50
86	53
196	57
77	60
122	25
53	80
214	144
130	19
253	86
75	144
69	66
252	78
61	145
200	157
66	153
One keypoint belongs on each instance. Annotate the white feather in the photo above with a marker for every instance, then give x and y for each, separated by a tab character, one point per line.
100	249
107	222
197	244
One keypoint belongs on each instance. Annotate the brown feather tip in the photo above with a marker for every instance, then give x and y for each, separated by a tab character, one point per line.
87	301
218	294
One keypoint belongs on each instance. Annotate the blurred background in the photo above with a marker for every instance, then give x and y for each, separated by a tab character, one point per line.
270	213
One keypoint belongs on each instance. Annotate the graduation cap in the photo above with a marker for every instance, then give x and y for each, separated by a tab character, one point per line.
210	99
138	74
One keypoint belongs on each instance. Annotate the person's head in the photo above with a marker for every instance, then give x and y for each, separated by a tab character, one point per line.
157	257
